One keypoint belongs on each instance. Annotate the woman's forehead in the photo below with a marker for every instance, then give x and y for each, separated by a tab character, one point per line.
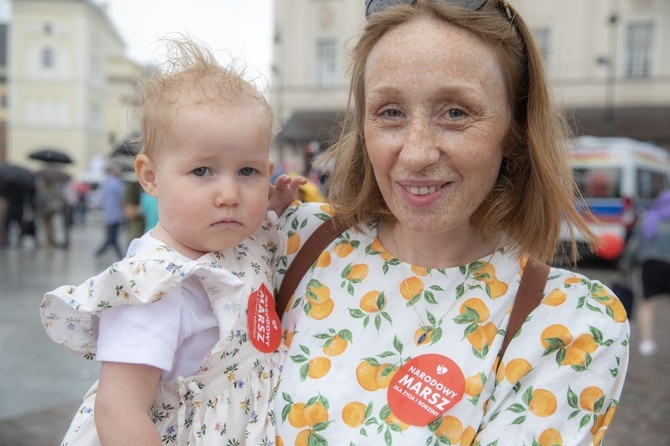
428	50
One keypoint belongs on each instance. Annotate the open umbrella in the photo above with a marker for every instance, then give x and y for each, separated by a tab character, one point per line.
51	155
15	174
128	147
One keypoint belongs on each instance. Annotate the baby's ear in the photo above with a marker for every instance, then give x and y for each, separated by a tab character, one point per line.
146	175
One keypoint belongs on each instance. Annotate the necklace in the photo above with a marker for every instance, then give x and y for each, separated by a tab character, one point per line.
427	329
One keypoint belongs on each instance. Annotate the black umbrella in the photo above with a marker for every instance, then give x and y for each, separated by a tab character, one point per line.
51	155
127	148
14	174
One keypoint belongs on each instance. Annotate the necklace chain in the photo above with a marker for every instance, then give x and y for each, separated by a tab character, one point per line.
427	330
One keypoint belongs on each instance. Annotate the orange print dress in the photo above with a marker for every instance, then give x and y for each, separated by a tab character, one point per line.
385	353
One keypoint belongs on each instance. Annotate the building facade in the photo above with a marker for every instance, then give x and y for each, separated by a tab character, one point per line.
609	61
70	86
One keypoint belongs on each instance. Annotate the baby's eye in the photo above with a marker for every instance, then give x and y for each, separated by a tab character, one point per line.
200	171
247	171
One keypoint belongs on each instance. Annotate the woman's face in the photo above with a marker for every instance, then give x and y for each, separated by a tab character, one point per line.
436	115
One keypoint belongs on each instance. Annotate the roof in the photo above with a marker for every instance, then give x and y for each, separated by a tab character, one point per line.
306	126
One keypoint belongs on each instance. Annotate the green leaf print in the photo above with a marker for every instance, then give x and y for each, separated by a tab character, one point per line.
573	399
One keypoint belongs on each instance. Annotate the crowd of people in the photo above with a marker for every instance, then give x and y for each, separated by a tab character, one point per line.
449	186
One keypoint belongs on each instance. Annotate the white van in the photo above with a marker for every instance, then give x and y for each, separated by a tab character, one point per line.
619	178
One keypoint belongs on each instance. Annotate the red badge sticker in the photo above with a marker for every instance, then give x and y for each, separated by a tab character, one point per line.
264	325
424	388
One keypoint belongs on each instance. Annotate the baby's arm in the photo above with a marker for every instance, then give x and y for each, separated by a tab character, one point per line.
125	395
284	192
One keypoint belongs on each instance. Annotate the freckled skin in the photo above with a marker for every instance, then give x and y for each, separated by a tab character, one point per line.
436	117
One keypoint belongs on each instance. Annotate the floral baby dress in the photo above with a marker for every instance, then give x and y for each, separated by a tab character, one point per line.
230	401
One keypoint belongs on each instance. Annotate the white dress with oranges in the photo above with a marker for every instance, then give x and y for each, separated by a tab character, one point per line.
360	370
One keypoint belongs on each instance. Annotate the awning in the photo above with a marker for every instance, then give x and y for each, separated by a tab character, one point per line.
307	126
651	124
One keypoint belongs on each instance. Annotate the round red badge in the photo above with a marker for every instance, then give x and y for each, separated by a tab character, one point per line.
264	325
424	388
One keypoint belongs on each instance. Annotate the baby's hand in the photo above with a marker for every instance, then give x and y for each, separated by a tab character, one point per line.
284	192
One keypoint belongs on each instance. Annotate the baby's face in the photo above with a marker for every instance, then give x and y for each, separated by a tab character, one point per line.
213	176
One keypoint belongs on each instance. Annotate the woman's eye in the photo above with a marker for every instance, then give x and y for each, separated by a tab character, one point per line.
247	171
200	171
456	113
391	113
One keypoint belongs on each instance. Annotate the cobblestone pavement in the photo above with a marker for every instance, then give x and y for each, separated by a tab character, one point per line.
41	385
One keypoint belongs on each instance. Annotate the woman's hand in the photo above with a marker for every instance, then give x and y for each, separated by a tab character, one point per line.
125	395
284	192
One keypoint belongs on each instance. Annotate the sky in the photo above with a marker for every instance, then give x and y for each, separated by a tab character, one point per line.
241	28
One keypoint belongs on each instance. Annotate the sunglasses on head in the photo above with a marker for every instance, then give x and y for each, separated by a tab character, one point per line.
373	6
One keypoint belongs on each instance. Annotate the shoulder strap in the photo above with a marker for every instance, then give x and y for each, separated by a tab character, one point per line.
306	256
527	299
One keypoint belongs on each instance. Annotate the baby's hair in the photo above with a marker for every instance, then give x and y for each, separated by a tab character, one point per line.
189	75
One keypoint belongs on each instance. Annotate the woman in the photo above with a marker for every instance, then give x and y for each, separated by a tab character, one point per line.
649	247
450	172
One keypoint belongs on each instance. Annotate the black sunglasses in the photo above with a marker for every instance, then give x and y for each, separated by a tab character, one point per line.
373	6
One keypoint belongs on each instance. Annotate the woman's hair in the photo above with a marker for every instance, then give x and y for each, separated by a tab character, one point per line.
189	75
535	190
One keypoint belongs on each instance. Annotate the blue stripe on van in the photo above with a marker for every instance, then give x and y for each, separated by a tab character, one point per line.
604	209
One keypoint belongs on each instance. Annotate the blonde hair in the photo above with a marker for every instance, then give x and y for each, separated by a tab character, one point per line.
535	190
190	74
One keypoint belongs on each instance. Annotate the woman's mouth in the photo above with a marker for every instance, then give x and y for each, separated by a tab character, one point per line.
422	190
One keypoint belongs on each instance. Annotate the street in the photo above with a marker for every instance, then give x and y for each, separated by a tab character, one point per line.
41	384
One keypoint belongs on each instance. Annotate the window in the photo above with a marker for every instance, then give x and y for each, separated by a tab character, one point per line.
650	184
47	58
638	50
598	182
326	63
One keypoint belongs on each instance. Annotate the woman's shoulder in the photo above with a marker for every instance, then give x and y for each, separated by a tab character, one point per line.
584	300
301	213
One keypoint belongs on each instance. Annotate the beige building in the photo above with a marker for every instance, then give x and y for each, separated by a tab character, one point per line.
609	60
70	86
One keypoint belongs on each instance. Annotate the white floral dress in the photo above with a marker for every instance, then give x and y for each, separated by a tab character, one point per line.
386	353
230	400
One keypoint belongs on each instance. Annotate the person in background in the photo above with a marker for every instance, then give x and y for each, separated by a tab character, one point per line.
14	196
188	337
131	210
450	178
50	202
81	190
649	249
149	209
111	194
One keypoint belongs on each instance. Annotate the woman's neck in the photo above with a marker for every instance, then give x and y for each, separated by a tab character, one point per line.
439	250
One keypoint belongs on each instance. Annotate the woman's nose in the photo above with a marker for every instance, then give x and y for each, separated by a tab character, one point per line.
227	193
420	147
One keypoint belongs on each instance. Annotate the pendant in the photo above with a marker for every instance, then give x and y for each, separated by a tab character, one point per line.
424	335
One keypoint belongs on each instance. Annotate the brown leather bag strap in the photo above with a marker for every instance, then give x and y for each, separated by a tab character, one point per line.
528	297
307	255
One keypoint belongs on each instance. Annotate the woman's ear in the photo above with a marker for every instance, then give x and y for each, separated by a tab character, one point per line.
146	174
272	169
